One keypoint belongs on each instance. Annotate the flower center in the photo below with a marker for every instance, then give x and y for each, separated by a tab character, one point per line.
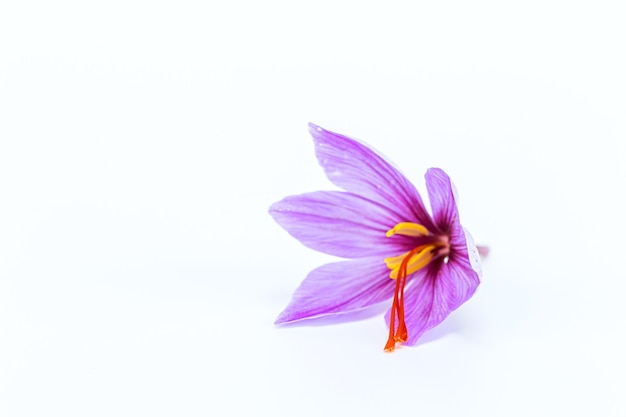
429	247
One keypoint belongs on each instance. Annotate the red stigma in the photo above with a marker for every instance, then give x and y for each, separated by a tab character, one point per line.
399	334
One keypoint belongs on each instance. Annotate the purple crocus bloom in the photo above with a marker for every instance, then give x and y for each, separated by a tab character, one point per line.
394	245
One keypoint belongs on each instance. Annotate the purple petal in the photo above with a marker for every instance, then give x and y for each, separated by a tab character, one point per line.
338	288
437	291
340	224
442	198
358	169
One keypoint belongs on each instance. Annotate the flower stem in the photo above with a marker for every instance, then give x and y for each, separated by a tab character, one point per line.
483	251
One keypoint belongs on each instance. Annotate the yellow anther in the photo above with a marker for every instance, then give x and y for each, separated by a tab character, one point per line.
395	261
408	229
416	262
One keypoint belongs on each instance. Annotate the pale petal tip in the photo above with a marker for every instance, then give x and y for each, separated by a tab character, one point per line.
438	172
287	316
318	133
281	319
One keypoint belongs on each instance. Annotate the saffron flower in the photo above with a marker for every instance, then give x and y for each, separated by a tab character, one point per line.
425	262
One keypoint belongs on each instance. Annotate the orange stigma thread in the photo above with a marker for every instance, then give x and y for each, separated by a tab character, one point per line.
404	265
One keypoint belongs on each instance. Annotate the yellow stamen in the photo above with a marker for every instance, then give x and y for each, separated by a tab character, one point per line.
418	260
407	229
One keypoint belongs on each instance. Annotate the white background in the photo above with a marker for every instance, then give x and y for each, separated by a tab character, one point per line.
141	144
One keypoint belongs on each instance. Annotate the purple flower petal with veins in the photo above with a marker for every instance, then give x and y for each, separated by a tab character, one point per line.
394	245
